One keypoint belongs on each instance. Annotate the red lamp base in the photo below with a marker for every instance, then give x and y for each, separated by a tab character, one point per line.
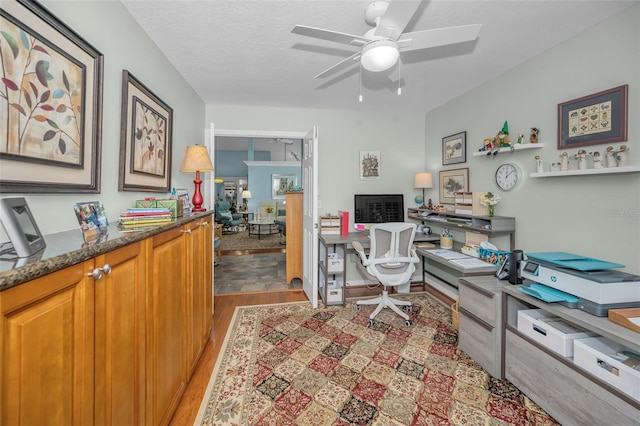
197	195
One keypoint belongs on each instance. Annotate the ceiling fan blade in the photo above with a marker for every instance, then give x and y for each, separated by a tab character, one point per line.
336	36
438	37
396	18
334	68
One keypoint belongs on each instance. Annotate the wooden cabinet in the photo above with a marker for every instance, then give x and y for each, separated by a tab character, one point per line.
199	289
167	325
294	235
120	335
48	349
110	340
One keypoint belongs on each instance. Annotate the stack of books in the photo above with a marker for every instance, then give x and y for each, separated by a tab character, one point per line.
138	219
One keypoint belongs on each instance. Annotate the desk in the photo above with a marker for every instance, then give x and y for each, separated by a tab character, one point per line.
341	245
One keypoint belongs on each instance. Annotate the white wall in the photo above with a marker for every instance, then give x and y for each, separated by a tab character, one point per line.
597	216
108	26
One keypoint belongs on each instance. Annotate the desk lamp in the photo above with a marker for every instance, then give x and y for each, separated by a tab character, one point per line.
246	195
423	180
196	159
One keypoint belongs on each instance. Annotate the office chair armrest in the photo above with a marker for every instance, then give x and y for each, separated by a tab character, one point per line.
360	250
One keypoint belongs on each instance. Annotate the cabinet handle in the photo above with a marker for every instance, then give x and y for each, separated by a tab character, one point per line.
97	273
205	224
187	231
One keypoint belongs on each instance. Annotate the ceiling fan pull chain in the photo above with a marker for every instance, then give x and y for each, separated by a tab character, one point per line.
360	83
399	88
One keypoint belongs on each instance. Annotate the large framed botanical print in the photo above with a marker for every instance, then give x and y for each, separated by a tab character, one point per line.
50	104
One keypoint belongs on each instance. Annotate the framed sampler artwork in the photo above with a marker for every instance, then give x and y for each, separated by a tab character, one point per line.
452	181
51	104
369	165
593	119
145	139
454	149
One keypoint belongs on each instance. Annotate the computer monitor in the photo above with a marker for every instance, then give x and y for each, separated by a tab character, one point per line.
21	227
378	208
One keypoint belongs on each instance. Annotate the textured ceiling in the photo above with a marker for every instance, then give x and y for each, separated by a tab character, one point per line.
242	52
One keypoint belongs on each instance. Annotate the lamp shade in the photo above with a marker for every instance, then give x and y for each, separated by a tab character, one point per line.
196	159
423	180
246	194
380	55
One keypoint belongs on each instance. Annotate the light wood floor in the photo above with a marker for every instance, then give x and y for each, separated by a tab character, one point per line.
224	307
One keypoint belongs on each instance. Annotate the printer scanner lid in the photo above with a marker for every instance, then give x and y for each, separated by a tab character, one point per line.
573	261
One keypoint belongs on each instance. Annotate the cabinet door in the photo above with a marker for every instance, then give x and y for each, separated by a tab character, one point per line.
294	236
120	336
166	331
47	337
199	291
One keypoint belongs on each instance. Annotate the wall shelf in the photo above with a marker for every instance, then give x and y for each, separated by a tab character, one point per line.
516	147
627	169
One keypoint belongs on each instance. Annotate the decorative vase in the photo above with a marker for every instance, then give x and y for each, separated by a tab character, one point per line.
491	210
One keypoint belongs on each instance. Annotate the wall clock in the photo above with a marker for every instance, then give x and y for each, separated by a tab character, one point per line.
508	176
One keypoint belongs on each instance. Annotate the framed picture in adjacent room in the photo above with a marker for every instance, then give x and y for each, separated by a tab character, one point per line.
51	104
593	119
145	139
281	184
452	181
454	149
369	165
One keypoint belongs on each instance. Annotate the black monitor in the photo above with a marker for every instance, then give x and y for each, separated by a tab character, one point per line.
21	227
378	208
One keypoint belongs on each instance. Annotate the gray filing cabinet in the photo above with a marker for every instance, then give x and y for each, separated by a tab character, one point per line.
480	321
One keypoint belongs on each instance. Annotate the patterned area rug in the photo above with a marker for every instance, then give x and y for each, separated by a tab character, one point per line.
288	364
242	241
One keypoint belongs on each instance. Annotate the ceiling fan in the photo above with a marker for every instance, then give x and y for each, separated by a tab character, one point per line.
381	46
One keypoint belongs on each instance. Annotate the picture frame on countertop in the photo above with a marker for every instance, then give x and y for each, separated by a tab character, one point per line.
594	119
281	184
454	149
145	138
92	218
53	80
183	195
452	181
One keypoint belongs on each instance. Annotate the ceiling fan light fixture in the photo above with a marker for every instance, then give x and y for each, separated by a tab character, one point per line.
380	55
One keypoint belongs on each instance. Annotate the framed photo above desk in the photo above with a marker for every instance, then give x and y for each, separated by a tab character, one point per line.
452	181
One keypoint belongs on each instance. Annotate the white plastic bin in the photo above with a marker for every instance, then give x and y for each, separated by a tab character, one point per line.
553	332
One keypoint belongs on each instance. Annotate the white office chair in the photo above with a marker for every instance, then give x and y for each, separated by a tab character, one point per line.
391	261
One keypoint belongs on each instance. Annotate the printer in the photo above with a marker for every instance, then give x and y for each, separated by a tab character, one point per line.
588	284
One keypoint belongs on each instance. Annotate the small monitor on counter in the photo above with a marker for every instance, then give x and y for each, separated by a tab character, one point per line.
21	227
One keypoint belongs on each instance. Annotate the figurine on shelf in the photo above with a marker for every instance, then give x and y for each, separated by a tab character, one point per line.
487	145
430	204
539	167
533	136
622	156
520	137
564	162
581	156
597	160
502	139
610	156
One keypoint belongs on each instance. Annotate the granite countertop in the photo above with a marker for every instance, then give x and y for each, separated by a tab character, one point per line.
69	248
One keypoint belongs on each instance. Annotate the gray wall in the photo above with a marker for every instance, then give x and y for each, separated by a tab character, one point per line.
108	26
590	215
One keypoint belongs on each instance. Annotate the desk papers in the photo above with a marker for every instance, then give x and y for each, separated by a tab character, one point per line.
449	254
471	263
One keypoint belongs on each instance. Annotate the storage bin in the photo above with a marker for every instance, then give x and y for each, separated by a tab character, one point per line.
597	355
553	332
334	291
335	263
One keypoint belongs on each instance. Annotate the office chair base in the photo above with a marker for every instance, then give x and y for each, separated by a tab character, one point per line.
385	301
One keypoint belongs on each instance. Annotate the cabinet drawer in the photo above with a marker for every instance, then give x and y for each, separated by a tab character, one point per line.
481	303
479	341
563	392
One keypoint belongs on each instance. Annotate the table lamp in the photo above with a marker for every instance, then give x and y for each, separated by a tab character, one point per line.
246	195
423	180
197	160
